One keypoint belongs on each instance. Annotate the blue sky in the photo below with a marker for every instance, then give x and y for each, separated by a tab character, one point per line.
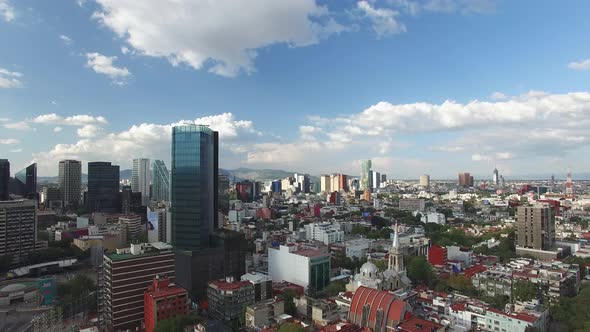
419	86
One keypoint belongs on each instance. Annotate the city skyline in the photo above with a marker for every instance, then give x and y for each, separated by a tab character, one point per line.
414	86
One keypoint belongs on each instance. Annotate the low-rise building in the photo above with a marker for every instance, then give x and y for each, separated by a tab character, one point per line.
308	268
320	312
554	279
264	313
227	298
324	232
163	300
412	204
262	285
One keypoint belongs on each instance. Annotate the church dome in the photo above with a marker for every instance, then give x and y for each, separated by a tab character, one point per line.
369	270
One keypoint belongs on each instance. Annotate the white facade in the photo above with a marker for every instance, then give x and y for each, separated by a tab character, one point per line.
324	232
283	264
140	179
434	217
357	248
456	253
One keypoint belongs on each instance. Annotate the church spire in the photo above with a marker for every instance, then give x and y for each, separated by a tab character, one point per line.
395	244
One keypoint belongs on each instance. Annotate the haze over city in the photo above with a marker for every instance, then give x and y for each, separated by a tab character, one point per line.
431	86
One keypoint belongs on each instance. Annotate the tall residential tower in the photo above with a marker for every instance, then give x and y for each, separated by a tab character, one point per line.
70	182
140	179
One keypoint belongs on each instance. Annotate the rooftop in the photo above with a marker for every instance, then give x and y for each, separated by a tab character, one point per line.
228	286
309	253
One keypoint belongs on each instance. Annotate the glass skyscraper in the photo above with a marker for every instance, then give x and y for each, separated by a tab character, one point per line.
4	179
193	186
26	180
103	188
160	181
365	174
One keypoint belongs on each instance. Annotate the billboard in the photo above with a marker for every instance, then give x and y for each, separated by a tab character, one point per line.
47	289
152	226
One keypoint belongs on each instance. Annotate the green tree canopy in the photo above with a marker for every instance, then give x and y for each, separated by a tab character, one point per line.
524	290
421	272
176	324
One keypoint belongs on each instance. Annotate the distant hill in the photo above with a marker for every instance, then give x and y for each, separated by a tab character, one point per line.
239	174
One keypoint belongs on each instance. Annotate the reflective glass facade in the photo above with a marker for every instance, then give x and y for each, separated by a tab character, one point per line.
160	181
193	186
4	179
26	180
103	188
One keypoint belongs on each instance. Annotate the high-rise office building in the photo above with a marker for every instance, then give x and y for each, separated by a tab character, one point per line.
140	179
193	207
496	177
103	188
365	176
425	181
193	186
26	182
465	180
4	179
131	201
376	180
535	227
160	181
325	183
302	183
70	182
18	229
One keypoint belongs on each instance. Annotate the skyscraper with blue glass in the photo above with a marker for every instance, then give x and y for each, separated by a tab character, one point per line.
193	186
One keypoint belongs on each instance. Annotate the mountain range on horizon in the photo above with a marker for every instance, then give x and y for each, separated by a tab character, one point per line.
243	173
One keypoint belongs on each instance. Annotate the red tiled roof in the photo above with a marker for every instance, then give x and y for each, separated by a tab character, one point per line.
309	253
416	324
376	300
470	272
458	307
224	285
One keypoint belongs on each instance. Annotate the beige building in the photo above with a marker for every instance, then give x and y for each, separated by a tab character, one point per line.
325	183
535	227
425	181
264	313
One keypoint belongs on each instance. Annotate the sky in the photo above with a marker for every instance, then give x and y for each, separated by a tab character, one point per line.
419	86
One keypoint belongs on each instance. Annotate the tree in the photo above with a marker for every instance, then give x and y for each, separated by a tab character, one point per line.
573	312
381	264
334	288
461	284
176	323
420	271
291	327
524	290
288	296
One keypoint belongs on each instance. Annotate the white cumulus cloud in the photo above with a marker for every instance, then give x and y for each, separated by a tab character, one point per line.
103	64
73	120
580	65
88	131
9	141
6	11
57	129
19	125
10	79
221	36
384	20
67	40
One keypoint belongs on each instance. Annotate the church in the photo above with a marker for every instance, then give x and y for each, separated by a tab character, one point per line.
391	279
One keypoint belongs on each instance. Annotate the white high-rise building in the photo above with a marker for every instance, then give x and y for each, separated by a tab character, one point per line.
140	179
376	180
